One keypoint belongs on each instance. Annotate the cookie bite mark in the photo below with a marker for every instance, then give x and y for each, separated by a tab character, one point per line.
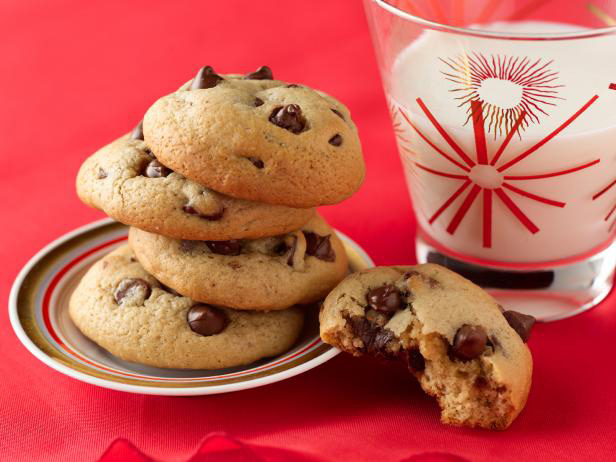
206	320
263	73
205	78
479	371
289	117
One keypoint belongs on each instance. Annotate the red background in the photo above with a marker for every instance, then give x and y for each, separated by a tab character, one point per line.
74	75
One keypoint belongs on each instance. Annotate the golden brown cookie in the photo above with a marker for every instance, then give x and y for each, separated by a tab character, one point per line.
262	274
122	308
127	182
258	139
452	334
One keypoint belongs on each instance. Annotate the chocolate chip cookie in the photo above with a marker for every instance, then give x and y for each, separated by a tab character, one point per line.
454	337
259	139
122	308
126	181
262	274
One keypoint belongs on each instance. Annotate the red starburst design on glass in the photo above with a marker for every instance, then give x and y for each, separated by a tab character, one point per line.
612	212
467	167
529	87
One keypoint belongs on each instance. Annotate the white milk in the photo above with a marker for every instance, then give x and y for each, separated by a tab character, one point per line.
570	75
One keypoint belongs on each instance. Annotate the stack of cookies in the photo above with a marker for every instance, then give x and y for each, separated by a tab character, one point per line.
219	184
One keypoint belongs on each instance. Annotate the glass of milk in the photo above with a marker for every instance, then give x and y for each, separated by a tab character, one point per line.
505	118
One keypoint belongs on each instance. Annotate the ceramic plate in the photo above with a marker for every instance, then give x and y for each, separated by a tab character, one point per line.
39	315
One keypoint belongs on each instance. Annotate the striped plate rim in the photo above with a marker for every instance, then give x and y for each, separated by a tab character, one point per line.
38	300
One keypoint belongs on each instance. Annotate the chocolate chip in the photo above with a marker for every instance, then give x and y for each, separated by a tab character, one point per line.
292	85
101	174
206	320
281	248
258	102
362	328
415	360
381	339
433	283
232	247
155	169
256	162
292	251
263	73
409	274
319	246
335	140
481	382
289	117
132	288
385	299
338	113
190	210
206	78
212	217
374	338
137	133
521	323
188	246
469	342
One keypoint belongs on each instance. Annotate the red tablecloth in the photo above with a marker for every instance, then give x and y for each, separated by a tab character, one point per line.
74	75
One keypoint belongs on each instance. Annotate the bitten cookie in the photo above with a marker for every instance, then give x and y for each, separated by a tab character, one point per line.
263	274
129	313
259	139
463	350
127	182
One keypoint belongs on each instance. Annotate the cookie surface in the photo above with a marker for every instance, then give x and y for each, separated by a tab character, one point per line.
122	308
259	140
451	333
125	181
262	274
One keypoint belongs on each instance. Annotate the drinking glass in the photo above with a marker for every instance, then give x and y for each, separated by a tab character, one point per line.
505	118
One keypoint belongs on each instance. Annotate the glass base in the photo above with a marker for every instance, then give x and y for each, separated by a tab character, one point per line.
548	294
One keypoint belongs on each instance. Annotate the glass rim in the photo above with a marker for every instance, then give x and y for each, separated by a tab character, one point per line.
586	33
